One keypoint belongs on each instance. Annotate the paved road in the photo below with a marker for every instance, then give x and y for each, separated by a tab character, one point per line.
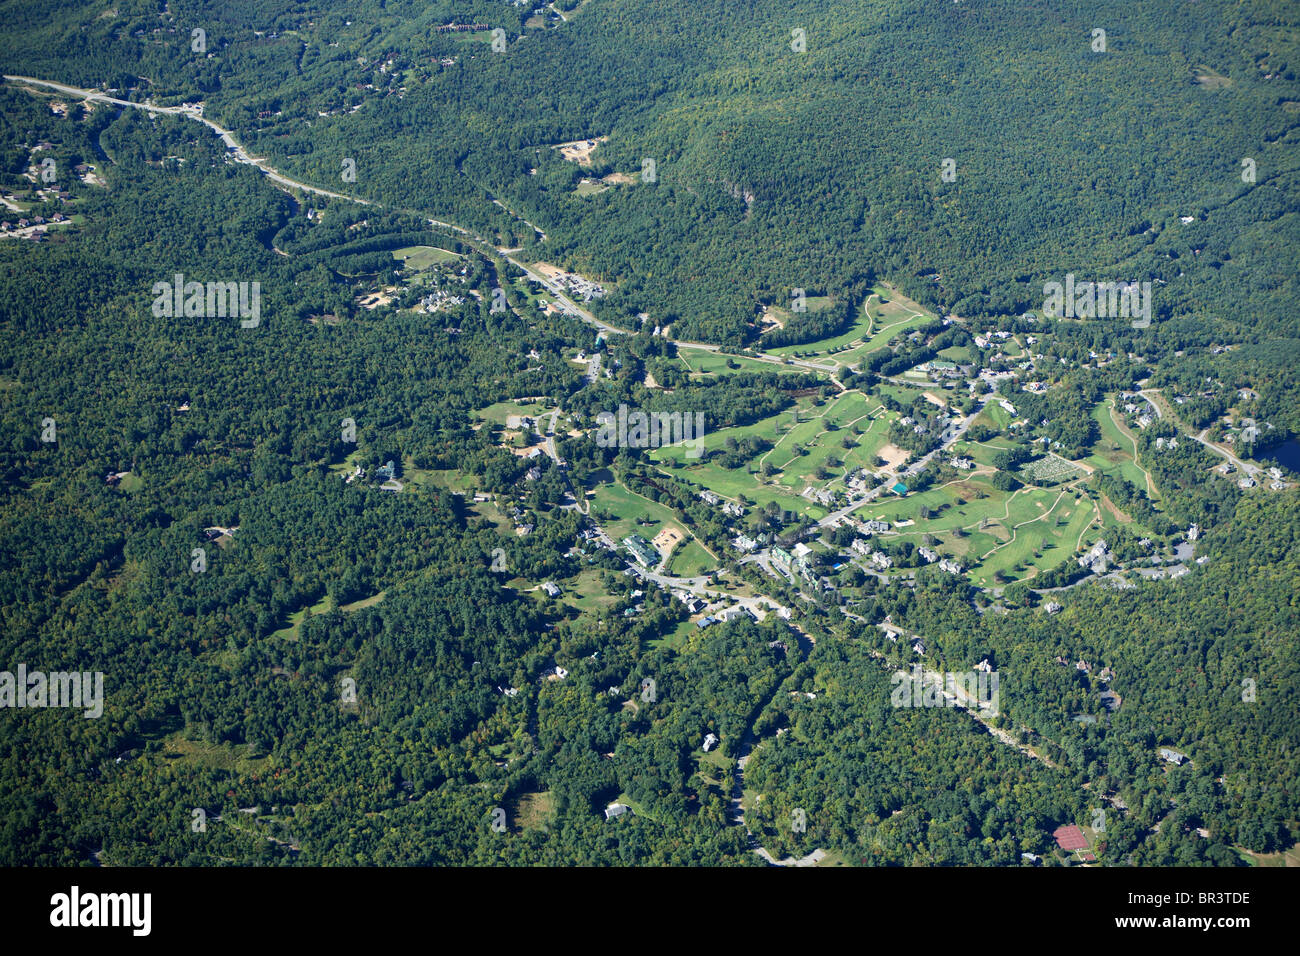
241	155
699	586
1243	466
194	113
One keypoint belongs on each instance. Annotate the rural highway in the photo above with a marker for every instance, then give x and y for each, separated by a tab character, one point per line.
194	113
241	155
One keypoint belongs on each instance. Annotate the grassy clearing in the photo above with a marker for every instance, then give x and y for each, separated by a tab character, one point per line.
419	258
364	602
232	758
691	560
1115	450
884	314
703	362
585	592
534	811
294	628
446	478
676	639
623	512
498	412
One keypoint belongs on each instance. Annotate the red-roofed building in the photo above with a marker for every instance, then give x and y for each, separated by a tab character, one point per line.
1070	837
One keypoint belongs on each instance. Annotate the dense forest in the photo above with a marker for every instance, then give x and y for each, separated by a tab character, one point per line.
300	668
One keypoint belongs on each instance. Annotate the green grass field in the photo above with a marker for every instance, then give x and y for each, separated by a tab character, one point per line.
885	314
691	560
702	362
499	411
624	512
292	631
419	258
981	452
1046	529
1115	452
1025	531
792	471
585	591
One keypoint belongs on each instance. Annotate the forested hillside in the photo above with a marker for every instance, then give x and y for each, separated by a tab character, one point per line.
309	551
775	169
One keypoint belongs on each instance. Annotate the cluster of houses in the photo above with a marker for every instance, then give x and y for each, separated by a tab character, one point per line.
439	299
823	496
33	229
1097	558
384	473
984	341
726	614
522	527
942	369
728	508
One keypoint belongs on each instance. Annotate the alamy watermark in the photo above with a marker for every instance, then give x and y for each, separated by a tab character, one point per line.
215	300
977	689
656	430
1102	300
59	689
76	909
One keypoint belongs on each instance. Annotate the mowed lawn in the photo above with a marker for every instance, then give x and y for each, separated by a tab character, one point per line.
500	411
1041	539
884	315
1023	532
691	560
624	512
981	453
419	258
703	362
792	471
1115	452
